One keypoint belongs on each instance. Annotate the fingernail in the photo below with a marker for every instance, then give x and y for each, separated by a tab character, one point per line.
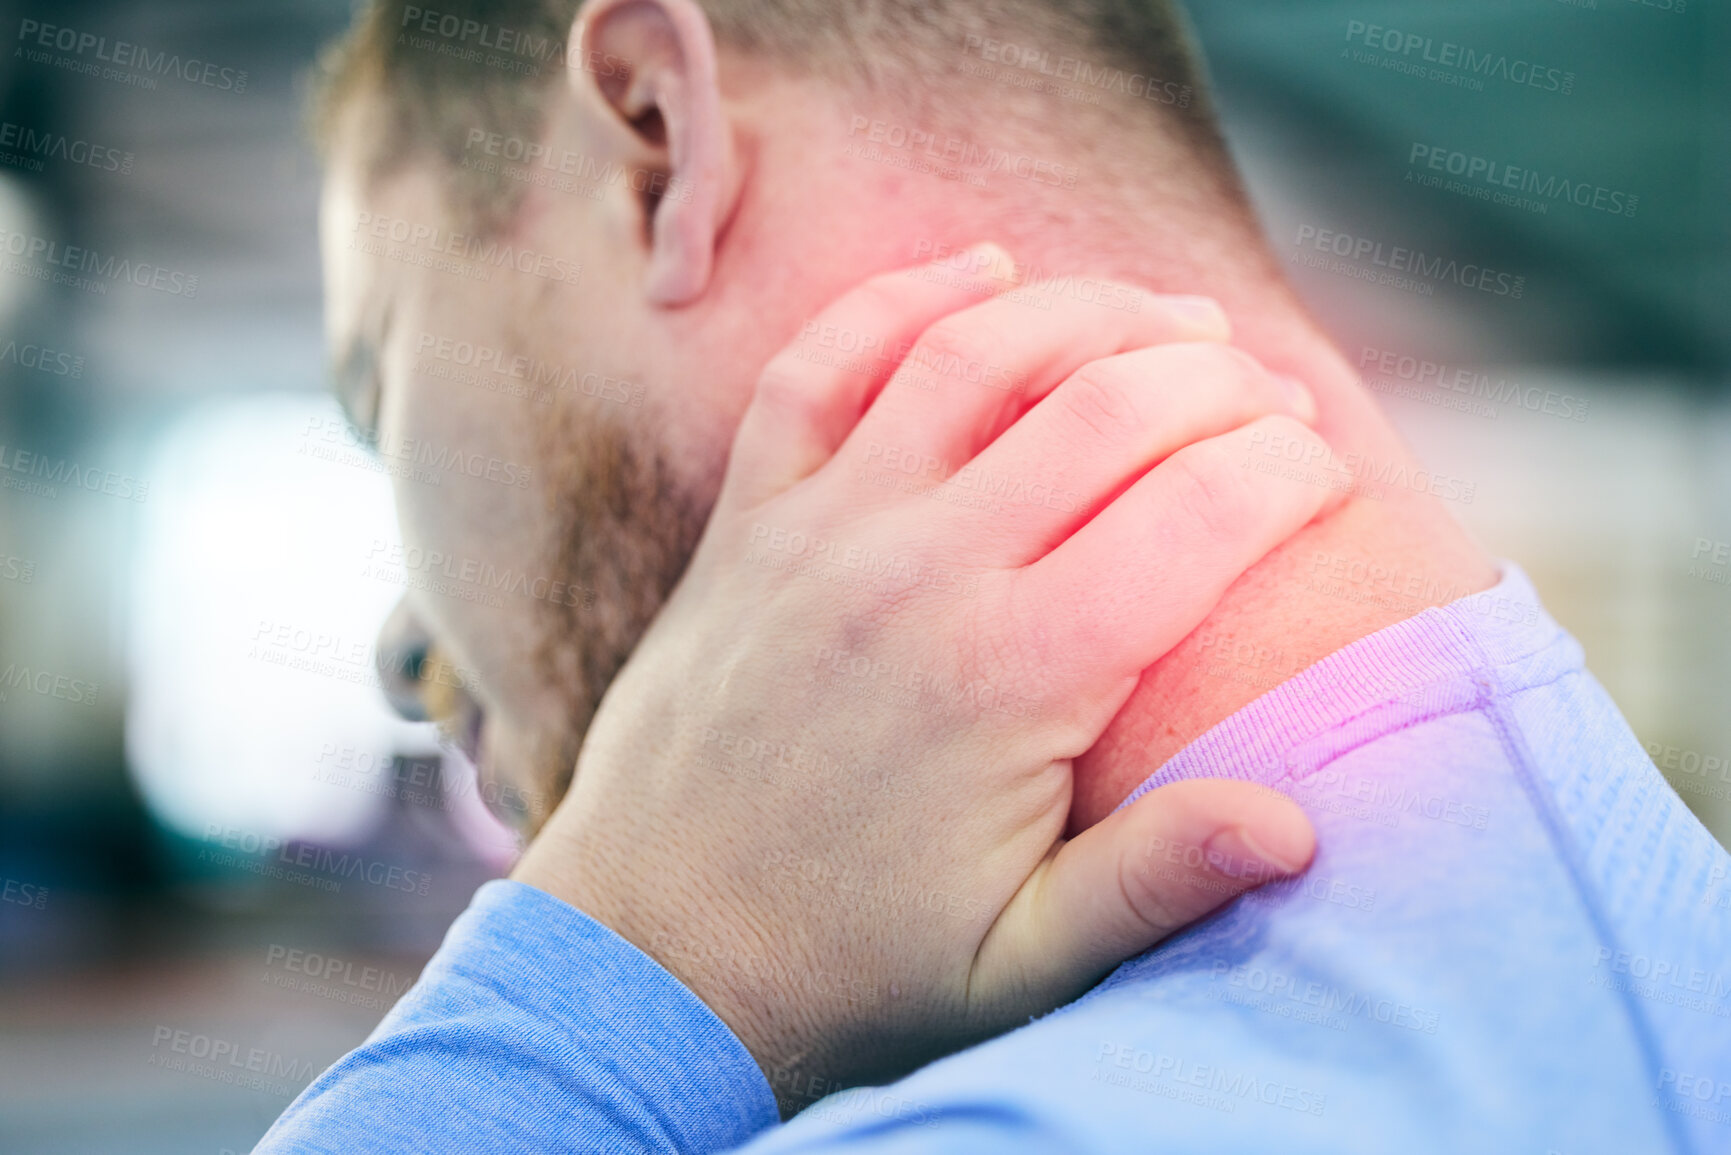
1301	399
1236	846
1204	311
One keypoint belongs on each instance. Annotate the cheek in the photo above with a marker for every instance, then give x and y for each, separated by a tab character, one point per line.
459	447
464	477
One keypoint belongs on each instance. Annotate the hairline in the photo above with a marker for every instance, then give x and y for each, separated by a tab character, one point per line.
393	134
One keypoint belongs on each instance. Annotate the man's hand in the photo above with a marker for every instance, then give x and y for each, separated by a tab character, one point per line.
828	790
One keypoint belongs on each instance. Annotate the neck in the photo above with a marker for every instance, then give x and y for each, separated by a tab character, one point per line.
1293	608
1178	241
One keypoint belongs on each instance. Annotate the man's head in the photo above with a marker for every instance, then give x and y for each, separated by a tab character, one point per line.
560	245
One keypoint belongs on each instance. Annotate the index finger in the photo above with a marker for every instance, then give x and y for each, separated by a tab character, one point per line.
811	394
971	375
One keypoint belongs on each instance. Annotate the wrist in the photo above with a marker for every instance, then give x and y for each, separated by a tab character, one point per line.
736	976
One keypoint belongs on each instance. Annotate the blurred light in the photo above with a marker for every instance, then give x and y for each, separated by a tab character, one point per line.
18	218
247	534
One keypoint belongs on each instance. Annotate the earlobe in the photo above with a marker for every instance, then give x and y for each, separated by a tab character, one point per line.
654	74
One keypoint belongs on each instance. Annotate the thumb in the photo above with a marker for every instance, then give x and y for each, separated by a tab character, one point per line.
1131	880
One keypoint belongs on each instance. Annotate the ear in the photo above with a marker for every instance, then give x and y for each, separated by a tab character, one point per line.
644	76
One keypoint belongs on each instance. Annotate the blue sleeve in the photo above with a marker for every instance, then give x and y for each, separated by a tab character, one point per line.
535	1028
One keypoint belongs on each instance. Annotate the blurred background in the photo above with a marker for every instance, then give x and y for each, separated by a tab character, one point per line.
214	838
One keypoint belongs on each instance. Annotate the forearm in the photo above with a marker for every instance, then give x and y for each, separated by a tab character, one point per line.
535	1029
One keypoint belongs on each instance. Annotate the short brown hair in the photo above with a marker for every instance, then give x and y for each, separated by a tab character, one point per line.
441	73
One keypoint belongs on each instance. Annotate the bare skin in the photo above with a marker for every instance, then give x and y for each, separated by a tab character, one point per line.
696	364
790	746
673	304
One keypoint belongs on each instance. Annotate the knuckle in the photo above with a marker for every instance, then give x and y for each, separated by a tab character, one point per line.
784	388
1279	424
1209	366
1100	397
1245	363
949	347
1217	366
1040	644
1148	895
1308	446
1213	493
1311	486
879	299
